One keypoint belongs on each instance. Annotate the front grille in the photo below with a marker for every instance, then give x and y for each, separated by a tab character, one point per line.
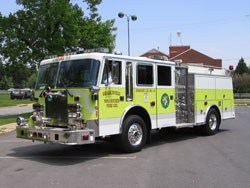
56	108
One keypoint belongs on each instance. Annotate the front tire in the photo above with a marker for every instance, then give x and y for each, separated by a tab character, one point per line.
212	123
133	135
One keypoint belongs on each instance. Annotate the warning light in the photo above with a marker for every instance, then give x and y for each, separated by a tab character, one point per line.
231	67
85	137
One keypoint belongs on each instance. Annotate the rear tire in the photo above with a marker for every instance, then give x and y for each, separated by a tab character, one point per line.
212	123
133	135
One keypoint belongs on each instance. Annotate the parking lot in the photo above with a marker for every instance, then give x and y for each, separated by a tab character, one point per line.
173	159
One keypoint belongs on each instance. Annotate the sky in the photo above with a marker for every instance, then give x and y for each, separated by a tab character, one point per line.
217	28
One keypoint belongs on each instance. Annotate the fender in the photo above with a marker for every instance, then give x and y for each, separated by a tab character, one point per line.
212	106
127	110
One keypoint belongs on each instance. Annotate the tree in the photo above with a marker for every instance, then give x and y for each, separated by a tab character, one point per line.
46	27
92	6
40	29
95	32
2	70
5	81
101	35
241	67
241	83
241	78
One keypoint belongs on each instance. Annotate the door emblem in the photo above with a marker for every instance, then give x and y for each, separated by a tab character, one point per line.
165	100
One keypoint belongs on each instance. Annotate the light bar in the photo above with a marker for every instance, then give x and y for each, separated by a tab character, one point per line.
78	51
100	50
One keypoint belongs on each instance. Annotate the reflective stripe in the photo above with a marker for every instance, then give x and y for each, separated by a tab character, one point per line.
86	100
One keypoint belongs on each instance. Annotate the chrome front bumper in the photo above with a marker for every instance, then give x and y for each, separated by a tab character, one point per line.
57	135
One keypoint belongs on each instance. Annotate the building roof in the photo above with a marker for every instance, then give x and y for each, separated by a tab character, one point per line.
184	53
155	54
189	55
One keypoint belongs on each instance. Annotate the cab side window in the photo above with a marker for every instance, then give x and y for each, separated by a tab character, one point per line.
145	75
112	73
164	76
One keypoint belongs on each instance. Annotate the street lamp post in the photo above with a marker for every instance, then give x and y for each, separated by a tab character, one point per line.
133	18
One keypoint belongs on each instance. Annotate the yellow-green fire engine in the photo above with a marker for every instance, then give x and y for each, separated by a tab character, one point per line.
82	97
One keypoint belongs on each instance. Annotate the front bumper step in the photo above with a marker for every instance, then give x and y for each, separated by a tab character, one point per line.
57	135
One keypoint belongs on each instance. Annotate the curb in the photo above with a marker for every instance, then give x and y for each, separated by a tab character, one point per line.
20	105
241	104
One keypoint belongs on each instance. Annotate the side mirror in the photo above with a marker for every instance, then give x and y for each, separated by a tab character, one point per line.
94	90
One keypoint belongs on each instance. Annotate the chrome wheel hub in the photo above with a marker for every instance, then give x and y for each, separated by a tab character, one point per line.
213	122
135	134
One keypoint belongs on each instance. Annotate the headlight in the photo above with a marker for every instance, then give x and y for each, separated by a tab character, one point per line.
21	121
74	107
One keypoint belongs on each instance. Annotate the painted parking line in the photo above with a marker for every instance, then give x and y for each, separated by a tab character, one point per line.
67	157
9	141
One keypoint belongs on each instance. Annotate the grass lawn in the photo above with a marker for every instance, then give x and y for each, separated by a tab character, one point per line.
6	101
12	119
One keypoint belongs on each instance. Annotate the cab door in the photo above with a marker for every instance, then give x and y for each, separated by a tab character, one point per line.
165	96
111	97
145	89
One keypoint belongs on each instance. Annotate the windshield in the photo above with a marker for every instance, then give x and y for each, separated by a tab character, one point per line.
47	75
78	73
72	73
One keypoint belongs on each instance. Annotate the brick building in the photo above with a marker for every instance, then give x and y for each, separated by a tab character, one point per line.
189	55
186	55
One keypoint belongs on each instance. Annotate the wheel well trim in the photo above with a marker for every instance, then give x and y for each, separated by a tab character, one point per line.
209	108
126	112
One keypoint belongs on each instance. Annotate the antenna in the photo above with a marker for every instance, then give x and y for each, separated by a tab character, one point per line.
179	35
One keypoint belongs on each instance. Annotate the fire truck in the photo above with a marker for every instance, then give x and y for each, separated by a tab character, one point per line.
80	98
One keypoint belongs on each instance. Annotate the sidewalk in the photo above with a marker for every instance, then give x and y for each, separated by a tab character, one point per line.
13	110
7	128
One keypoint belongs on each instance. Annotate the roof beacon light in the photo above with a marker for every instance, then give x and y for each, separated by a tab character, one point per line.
231	67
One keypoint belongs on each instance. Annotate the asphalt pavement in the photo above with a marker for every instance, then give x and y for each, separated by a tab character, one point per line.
176	159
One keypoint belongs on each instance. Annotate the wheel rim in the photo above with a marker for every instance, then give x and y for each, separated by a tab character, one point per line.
135	134
212	122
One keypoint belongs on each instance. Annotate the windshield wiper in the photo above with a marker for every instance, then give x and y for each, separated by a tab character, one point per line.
45	88
64	85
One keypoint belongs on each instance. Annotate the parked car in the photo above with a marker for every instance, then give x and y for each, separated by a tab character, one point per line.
21	93
10	89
